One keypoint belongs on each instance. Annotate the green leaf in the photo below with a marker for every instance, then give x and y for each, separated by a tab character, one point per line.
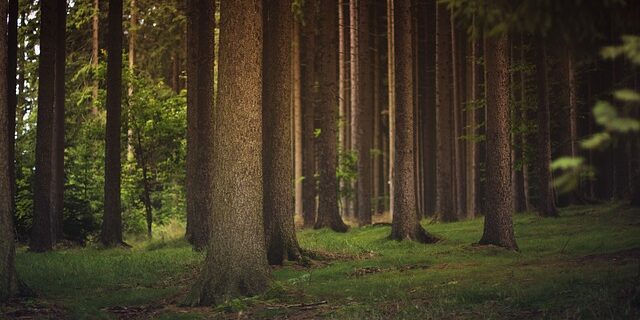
624	125
566	163
604	112
627	95
596	141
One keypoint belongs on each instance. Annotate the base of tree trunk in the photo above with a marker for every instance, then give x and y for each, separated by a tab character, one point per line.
418	234
116	244
503	243
214	289
277	255
336	225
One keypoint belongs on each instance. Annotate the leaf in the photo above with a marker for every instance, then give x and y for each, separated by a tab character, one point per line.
604	112
627	95
596	141
566	163
624	125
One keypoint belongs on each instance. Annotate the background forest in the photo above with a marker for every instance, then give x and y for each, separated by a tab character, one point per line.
256	158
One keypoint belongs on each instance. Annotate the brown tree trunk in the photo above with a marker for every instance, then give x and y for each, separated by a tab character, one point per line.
297	115
546	203
498	226
57	155
391	96
280	233
342	93
146	196
193	233
95	51
516	148
457	122
112	220
444	113
236	262
12	69
405	225
429	105
473	96
361	104
376	161
327	70
43	232
524	117
309	99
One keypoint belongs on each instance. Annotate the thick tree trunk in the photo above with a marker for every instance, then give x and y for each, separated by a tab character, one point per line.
327	70
280	233
43	235
57	156
498	226
236	262
95	51
12	69
546	203
342	93
361	105
405	225
444	113
112	220
8	278
309	102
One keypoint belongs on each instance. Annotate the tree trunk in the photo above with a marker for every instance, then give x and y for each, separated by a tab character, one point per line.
471	132
112	221
524	116
133	32
12	69
327	70
146	196
376	161
391	80
280	234
429	105
546	204
236	262
444	117
498	226
193	234
95	51
43	235
405	225
342	94
57	156
458	198
297	115
361	104
309	99
8	277
516	149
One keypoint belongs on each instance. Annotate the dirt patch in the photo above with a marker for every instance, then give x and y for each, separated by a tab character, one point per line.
27	309
618	257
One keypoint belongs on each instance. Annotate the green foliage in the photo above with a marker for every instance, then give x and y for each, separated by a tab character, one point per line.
347	173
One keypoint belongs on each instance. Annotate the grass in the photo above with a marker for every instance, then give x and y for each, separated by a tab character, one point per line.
584	264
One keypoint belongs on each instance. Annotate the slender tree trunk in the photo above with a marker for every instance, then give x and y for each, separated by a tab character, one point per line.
516	149
297	115
546	204
429	106
405	225
192	180
57	156
43	232
309	101
498	226
133	35
376	161
391	80
112	221
8	277
12	69
342	94
444	113
236	262
471	132
146	196
458	201
524	117
328	215
95	51
280	233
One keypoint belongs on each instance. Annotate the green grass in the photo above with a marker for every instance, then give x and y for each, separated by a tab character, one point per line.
565	269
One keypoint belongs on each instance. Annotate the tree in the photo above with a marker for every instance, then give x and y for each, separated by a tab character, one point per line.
473	95
444	115
498	226
309	99
546	199
95	51
12	55
361	104
112	221
405	225
43	235
200	28
281	240
327	71
236	262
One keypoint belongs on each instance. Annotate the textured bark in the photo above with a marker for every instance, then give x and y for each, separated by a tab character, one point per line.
524	116
327	70
57	155
95	51
516	152
498	226
458	186
112	220
405	224
473	95
361	105
391	96
546	204
43	232
8	278
444	117
280	234
429	106
309	103
376	161
297	115
342	91
193	234
12	68
236	262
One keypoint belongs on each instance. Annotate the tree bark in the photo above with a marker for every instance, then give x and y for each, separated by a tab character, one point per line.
327	70
405	224
458	198
112	220
236	262
524	116
309	102
376	161
429	106
391	66
43	235
546	203
280	233
444	117
193	232
361	105
471	132
57	156
498	226
12	69
95	51
297	115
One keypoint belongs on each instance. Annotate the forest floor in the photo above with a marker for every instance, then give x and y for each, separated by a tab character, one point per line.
585	264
